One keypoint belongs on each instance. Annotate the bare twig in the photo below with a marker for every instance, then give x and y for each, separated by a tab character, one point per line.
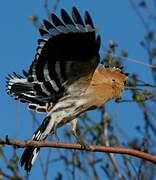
136	61
117	150
4	175
106	142
142	19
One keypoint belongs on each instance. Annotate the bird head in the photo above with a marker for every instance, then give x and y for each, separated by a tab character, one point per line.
115	79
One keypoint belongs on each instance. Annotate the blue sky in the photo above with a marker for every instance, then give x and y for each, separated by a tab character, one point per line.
115	20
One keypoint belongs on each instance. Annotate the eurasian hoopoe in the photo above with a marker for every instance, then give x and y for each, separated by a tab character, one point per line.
66	77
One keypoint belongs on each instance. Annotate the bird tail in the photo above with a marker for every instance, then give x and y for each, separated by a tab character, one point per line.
28	158
30	153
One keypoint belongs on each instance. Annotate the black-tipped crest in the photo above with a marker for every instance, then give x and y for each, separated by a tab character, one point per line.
117	67
127	74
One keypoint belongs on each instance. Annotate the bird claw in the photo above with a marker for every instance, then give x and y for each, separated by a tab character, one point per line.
57	138
83	145
54	132
87	147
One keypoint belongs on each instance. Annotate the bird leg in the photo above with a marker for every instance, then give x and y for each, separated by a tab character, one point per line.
54	132
56	136
76	133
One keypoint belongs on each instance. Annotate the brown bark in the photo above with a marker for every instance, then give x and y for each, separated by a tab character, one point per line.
106	149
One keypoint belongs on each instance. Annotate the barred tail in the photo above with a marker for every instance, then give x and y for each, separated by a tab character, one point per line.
28	158
30	153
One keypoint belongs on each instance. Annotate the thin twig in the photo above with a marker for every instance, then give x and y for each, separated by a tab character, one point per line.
136	61
106	142
142	19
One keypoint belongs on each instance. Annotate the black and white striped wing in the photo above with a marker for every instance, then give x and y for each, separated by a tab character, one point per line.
68	51
19	87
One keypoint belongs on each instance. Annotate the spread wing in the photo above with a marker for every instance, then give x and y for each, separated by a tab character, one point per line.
68	51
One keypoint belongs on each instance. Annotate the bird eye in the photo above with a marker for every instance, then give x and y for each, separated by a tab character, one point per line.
125	83
113	80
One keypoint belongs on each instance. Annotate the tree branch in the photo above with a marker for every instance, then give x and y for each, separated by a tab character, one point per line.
106	149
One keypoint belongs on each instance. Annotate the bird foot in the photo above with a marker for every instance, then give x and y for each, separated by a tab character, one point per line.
82	143
54	132
87	147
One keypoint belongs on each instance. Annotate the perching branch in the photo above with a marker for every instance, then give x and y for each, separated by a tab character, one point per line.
106	149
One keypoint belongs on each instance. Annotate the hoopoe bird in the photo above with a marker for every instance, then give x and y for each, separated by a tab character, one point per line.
66	77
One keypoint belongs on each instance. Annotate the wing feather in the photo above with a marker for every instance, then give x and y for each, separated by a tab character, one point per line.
67	52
